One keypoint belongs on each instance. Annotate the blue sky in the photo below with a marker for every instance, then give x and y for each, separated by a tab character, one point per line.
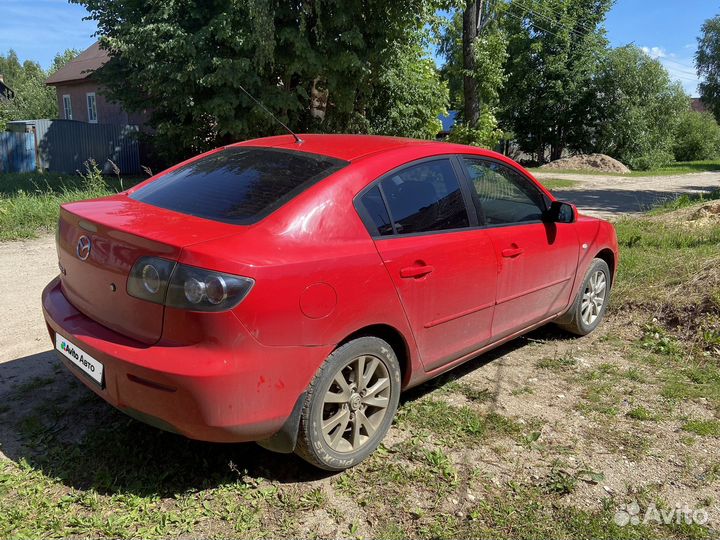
667	29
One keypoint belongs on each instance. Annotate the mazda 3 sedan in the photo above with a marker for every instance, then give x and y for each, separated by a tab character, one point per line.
286	293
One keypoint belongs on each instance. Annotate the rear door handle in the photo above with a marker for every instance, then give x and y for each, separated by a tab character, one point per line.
416	271
512	252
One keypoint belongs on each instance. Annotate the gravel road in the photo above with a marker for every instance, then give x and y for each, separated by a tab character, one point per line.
609	197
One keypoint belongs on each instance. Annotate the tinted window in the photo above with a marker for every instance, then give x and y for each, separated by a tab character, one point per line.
425	197
237	185
504	195
376	216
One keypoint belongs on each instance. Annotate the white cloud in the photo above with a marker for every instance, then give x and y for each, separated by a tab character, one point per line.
654	52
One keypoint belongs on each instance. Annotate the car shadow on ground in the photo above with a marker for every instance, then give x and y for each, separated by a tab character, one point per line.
617	201
56	425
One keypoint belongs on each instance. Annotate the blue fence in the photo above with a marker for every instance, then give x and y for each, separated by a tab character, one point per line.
64	145
17	152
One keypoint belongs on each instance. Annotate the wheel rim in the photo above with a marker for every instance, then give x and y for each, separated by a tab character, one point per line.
593	298
356	403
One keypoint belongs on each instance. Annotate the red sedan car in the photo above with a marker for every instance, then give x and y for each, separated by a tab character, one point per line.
286	292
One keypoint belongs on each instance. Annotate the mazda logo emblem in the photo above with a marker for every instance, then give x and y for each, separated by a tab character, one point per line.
83	248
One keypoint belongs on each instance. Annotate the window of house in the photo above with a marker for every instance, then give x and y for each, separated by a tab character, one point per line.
425	197
67	107
92	108
504	195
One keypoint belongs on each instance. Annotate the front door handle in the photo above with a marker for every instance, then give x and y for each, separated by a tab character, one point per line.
416	271
512	252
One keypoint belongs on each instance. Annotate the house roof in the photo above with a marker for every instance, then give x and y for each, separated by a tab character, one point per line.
5	90
448	121
697	105
82	67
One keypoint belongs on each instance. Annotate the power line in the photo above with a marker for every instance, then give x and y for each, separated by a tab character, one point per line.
550	19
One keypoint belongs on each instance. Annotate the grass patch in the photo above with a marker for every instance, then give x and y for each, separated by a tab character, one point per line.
559	183
679	167
642	414
556	363
704	428
454	424
30	202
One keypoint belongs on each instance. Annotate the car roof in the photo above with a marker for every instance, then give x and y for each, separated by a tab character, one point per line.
352	147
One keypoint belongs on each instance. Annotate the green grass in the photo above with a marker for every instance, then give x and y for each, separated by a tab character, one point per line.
559	183
681	167
30	202
704	428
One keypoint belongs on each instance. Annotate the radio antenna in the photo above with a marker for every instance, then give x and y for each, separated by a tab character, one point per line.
298	140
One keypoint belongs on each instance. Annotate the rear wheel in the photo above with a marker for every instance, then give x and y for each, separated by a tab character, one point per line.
350	404
590	303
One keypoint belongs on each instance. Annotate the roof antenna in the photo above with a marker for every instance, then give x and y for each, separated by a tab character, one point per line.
298	140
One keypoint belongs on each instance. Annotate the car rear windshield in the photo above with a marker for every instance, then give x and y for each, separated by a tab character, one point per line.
238	185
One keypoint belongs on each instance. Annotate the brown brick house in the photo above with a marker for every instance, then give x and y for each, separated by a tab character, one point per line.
80	97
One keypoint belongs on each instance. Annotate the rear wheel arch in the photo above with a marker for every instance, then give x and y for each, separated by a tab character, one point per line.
394	338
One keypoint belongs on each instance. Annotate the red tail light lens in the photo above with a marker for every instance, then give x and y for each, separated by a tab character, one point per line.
186	287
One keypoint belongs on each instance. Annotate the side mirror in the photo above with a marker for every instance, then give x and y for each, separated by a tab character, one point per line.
561	212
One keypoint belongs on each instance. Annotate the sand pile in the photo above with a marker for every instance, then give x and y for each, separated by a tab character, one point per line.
593	162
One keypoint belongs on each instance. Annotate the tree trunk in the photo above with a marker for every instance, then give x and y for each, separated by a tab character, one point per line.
470	33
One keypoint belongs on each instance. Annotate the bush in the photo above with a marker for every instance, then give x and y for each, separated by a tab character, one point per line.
697	137
486	134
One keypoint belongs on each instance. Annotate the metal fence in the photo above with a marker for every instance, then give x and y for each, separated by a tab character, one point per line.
64	145
17	152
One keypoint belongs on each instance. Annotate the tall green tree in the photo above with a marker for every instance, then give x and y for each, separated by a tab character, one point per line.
707	61
637	110
32	98
474	69
318	65
554	49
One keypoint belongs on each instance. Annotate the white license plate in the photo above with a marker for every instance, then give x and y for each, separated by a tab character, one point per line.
80	358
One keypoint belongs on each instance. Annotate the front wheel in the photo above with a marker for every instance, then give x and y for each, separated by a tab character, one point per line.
350	404
590	303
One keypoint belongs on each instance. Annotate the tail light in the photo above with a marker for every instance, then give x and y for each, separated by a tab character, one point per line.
186	287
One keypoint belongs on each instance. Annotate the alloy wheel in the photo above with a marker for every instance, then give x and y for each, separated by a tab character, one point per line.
593	297
356	403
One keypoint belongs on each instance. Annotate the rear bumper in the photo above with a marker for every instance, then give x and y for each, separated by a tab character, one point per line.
226	388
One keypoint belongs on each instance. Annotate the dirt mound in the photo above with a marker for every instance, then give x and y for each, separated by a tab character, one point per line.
593	162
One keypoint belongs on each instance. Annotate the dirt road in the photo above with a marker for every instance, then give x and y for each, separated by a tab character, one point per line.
611	196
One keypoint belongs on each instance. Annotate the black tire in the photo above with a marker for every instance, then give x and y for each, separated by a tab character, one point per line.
344	362
573	320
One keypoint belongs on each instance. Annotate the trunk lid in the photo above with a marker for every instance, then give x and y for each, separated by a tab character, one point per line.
120	230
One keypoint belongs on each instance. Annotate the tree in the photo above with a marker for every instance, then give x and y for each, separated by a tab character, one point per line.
474	69
554	49
697	137
707	61
317	65
409	97
637	110
32	99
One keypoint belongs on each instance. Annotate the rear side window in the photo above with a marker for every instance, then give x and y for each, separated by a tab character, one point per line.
425	197
376	217
238	185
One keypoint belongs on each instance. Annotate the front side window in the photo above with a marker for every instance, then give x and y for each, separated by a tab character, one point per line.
67	107
238	185
425	197
504	196
92	108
